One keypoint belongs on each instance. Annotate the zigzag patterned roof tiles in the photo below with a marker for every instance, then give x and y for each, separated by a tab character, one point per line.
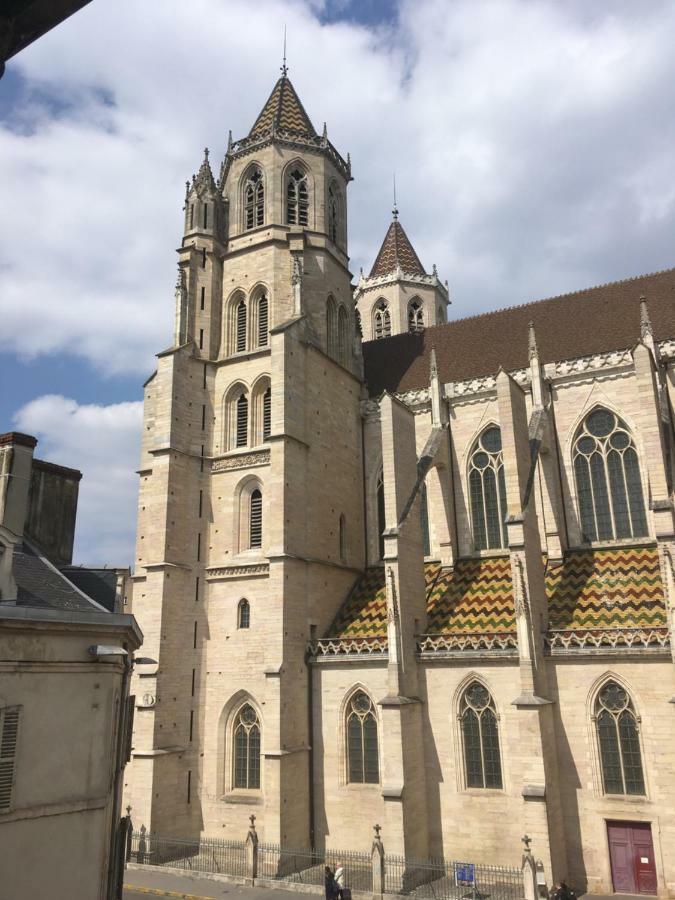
396	250
609	589
283	111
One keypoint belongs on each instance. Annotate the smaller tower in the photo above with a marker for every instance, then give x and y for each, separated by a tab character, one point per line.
398	295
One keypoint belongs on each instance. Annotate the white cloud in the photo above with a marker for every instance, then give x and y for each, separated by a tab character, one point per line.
532	144
104	443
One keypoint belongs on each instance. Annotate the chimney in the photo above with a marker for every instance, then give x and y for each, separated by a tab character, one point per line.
16	463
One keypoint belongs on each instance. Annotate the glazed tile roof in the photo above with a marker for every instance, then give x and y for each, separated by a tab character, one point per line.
284	111
595	320
396	250
610	589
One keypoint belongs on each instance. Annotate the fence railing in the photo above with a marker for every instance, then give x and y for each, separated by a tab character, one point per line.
443	879
205	855
374	873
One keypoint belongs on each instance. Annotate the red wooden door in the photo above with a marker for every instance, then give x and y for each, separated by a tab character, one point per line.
631	855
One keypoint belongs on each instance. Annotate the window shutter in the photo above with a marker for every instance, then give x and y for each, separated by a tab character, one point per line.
9	730
129	728
267	414
262	321
242	421
241	326
256	519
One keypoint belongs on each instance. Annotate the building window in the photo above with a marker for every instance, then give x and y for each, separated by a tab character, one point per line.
267	414
487	489
331	328
263	320
415	315
254	200
246	741
619	740
362	760
242	420
244	614
607	474
255	520
343	336
9	733
333	212
381	320
381	521
297	199
482	763
241	326
424	520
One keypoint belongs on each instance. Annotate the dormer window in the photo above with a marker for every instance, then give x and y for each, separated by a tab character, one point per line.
254	200
297	199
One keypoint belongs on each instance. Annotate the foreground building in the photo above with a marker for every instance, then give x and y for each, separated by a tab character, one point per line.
65	712
423	579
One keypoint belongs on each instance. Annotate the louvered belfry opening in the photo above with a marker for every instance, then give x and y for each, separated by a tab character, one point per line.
267	413
263	320
242	421
255	524
241	326
297	199
9	731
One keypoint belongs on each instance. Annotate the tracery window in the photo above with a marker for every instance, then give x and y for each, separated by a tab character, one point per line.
333	212
415	315
619	740
255	519
482	761
246	743
381	320
362	753
254	200
607	474
487	489
244	614
343	339
297	198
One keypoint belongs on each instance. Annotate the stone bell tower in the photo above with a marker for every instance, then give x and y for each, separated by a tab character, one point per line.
250	524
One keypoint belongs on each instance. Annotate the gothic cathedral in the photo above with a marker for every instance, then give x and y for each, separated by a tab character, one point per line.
396	567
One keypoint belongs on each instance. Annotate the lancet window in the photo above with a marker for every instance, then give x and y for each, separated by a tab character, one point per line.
244	614
607	474
254	200
487	489
333	212
263	320
241	438
381	320
246	742
255	519
240	327
478	718
362	752
619	741
297	198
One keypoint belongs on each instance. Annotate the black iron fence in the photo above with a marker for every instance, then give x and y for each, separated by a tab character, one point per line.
442	879
205	855
308	866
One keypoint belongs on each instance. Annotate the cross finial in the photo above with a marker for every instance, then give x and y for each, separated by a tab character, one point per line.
394	211
284	67
206	154
378	829
129	808
251	819
527	840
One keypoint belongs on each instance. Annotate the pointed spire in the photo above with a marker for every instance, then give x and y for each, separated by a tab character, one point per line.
229	141
396	253
532	349
283	111
204	180
324	136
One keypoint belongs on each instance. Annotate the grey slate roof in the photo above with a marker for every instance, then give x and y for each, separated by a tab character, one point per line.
99	584
40	584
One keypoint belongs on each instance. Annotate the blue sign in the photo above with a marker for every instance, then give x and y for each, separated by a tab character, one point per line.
465	873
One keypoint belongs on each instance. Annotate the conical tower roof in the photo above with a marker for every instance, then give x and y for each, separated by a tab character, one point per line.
284	112
396	251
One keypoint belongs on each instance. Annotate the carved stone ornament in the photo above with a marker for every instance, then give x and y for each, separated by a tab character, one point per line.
241	461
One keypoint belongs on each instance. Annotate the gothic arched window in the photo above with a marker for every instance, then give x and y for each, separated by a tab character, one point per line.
415	315
244	614
331	328
246	743
381	521
262	310
255	520
333	212
381	320
267	414
297	198
240	332
619	740
607	474
235	417
254	200
343	335
362	754
487	489
482	762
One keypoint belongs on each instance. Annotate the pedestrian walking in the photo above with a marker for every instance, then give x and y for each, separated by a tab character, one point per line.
329	883
340	881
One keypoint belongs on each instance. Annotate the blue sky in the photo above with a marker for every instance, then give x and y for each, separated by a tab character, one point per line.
532	144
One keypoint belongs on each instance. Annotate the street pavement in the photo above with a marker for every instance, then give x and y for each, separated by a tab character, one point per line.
142	884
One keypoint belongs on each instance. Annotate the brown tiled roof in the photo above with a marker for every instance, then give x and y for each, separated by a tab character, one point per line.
594	320
396	250
285	111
